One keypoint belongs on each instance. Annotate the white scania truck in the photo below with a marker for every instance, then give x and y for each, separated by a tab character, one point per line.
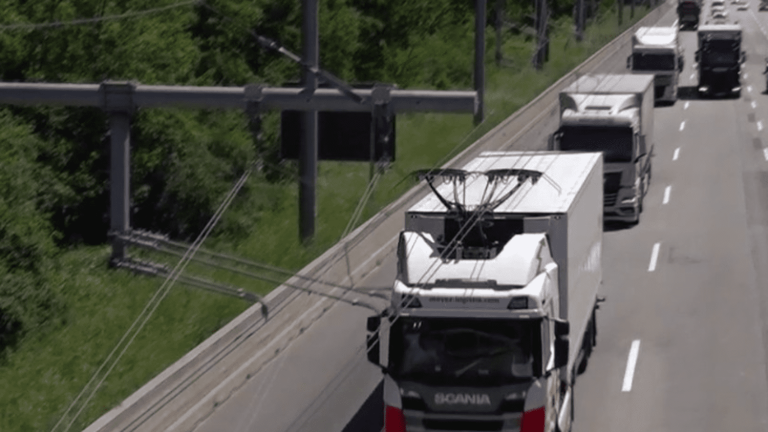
657	51
493	307
612	114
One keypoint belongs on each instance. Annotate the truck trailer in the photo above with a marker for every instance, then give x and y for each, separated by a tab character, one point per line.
688	13
493	306
612	114
719	58
657	51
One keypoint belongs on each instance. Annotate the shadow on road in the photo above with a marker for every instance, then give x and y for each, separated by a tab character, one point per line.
616	226
370	417
688	93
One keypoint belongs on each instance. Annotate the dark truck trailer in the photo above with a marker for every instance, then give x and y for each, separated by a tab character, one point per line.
719	58
688	12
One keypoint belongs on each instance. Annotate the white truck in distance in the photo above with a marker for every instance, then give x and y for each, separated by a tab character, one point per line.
612	114
493	307
656	50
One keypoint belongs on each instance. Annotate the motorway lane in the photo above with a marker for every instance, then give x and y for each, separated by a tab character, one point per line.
699	315
279	399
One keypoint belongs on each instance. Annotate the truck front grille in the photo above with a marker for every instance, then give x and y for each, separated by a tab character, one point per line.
611	185
463	425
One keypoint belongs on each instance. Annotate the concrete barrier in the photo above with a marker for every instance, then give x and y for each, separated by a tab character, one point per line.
189	390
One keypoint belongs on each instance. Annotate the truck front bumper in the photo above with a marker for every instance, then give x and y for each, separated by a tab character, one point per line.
623	208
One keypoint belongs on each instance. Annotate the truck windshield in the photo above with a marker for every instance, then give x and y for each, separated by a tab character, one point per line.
614	142
646	62
477	352
725	56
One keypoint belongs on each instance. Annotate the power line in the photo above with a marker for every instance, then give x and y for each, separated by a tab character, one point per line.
35	26
152	305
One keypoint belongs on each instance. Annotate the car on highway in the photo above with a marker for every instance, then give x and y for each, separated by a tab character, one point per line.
741	5
719	15
763	6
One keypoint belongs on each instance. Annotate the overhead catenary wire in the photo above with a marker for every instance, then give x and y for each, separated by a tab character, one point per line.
161	244
81	21
152	304
276	281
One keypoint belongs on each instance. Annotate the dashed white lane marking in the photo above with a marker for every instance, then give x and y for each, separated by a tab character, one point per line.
749	89
677	153
759	125
746	75
765	153
666	194
682	125
754	104
654	257
629	373
686	105
693	75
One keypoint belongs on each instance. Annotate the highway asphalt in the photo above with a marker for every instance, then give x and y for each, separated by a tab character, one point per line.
696	307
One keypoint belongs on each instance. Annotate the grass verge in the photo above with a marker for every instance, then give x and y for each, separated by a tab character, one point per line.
41	376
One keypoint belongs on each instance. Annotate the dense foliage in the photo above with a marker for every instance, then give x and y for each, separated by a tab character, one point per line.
54	161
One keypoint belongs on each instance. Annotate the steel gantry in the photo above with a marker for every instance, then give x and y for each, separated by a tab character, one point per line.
122	99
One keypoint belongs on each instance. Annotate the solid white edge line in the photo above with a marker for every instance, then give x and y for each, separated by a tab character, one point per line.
654	257
677	153
666	194
682	125
765	153
629	373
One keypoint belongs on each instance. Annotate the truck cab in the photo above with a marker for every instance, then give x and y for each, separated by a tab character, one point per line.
492	310
688	12
719	58
612	114
655	50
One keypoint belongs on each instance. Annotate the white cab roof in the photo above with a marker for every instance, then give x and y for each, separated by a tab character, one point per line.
656	36
567	170
611	83
516	265
719	27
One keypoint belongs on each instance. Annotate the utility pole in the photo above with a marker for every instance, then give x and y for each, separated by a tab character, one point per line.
118	103
480	9
308	149
499	22
542	44
620	4
579	20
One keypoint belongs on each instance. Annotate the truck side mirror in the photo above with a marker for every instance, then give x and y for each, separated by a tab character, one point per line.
372	346
562	328
373	323
629	62
561	352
